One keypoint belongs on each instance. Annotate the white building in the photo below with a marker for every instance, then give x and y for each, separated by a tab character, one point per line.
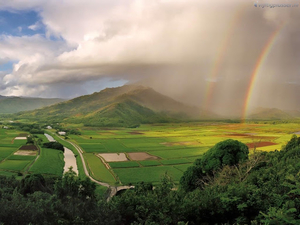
49	127
62	133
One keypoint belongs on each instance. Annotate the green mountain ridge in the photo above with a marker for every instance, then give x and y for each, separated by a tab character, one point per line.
18	104
128	105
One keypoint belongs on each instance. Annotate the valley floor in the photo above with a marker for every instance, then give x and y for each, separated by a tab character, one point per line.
126	156
131	155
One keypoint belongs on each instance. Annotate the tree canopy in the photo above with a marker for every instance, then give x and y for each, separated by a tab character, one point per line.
229	152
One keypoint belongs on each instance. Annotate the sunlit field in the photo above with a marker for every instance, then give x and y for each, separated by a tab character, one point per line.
170	148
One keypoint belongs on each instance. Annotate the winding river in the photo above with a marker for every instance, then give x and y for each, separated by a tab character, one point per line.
70	160
69	157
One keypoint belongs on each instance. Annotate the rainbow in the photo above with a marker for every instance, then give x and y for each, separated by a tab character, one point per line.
221	53
260	61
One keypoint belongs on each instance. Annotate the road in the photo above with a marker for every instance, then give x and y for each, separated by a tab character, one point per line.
113	189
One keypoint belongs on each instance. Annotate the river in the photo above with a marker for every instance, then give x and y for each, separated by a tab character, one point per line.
69	157
50	138
70	160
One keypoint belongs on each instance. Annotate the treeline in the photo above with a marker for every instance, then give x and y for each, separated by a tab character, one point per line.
34	128
54	145
225	186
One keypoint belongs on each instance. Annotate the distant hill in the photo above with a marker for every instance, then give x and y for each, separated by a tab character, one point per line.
128	105
270	114
294	113
18	104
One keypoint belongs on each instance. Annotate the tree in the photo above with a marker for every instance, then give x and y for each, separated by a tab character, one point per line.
70	185
293	143
29	140
229	152
54	145
190	178
32	183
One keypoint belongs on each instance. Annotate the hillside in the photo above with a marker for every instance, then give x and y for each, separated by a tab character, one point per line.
18	104
270	114
122	106
294	113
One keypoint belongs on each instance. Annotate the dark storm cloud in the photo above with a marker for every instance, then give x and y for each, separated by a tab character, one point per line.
169	45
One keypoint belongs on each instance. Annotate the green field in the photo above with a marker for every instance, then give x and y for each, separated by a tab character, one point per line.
176	146
150	163
11	164
124	164
98	169
15	165
147	174
22	157
51	161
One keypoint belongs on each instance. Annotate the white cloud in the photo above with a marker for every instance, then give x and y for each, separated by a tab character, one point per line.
133	39
35	26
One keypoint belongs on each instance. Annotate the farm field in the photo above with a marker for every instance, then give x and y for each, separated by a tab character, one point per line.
15	155
50	162
129	155
168	148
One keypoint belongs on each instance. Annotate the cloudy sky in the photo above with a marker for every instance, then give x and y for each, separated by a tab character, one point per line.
67	48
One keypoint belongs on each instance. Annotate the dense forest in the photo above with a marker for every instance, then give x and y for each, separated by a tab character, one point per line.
227	185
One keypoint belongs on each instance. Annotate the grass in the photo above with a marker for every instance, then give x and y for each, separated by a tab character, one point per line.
192	159
22	157
15	165
174	161
183	167
98	169
50	161
179	153
127	164
7	173
114	145
93	147
150	163
146	174
43	137
101	190
5	152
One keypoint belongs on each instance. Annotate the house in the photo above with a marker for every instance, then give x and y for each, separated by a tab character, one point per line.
49	127
62	133
5	127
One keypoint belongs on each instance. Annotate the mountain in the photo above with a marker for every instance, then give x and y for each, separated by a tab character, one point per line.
17	104
2	97
294	113
128	105
270	114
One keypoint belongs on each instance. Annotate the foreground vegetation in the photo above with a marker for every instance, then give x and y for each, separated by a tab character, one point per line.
229	187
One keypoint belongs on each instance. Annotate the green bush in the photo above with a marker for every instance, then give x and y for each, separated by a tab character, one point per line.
54	145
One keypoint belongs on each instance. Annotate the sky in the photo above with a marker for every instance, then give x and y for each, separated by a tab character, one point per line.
202	52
